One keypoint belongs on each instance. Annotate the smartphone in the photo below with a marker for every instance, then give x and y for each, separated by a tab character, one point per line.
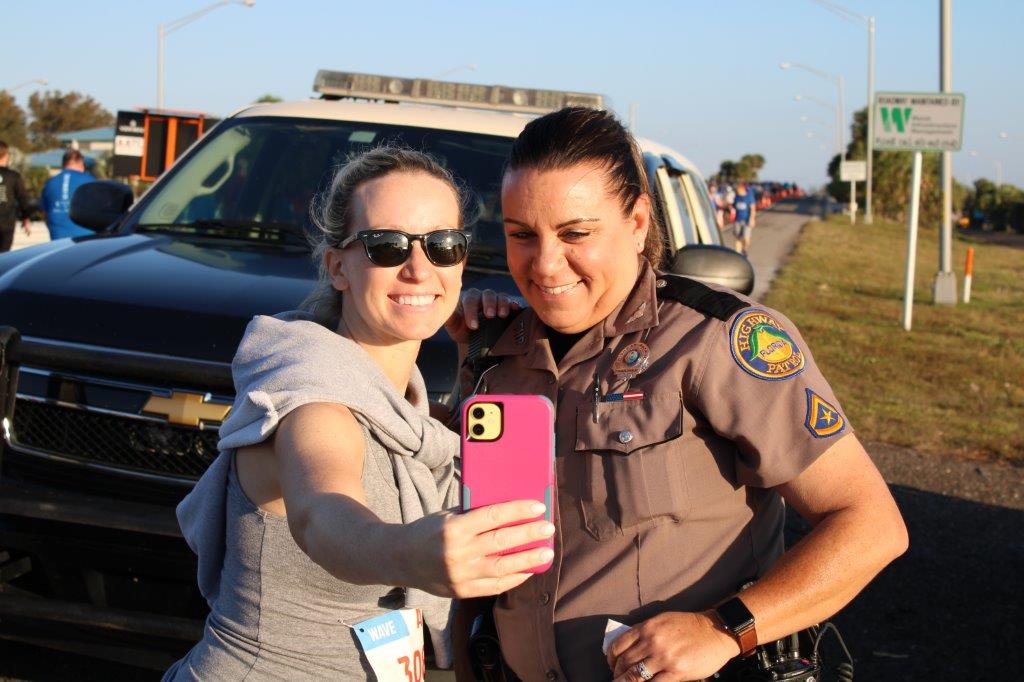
508	453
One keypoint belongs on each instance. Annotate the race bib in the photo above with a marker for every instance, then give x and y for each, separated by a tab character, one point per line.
393	644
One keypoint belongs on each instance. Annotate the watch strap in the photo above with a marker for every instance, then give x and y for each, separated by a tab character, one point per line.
738	621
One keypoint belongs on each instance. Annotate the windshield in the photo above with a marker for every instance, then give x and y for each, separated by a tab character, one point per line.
254	178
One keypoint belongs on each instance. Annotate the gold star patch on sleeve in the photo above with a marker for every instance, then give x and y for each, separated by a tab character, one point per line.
823	420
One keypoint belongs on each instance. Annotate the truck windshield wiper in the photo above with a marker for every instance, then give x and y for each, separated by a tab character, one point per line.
236	229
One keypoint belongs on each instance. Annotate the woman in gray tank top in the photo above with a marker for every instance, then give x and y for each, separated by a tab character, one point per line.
329	503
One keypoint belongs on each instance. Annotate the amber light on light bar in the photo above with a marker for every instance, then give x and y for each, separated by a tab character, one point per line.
370	86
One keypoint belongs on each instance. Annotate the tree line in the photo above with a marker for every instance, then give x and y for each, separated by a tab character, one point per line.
49	113
744	170
983	205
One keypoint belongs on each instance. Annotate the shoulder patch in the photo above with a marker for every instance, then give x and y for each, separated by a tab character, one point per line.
823	420
699	296
763	349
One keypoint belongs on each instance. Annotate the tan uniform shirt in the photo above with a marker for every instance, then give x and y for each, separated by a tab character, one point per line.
664	502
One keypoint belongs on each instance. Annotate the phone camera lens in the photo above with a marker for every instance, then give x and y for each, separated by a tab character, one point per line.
478	429
478	413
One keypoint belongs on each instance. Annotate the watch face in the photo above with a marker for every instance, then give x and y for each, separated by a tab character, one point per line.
735	614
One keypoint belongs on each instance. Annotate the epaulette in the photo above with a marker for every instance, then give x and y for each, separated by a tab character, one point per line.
699	296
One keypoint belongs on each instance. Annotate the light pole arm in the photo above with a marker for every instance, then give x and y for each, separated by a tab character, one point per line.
820	102
817	72
842	12
172	26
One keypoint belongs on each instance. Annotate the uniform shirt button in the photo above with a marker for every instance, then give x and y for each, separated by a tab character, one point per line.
552	674
545	598
625	436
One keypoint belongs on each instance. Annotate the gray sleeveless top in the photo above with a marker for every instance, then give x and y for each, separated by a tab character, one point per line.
274	613
278	615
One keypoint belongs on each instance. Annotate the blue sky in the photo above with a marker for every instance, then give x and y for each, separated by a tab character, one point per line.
704	75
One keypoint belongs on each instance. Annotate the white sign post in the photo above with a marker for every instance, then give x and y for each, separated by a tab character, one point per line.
853	172
915	202
917	122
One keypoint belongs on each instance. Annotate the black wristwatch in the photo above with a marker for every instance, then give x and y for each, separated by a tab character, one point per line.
738	621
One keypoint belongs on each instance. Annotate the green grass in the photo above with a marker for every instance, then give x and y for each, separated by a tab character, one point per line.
955	383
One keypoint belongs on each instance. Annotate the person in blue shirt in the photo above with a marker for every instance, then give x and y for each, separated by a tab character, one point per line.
746	212
57	193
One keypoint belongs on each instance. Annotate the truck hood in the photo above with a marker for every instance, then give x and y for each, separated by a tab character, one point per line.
162	294
151	293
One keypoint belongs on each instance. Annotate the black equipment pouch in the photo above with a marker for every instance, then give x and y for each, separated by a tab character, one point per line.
485	651
796	658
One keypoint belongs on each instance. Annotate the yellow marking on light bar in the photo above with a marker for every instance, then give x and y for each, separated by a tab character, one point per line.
428	91
186	409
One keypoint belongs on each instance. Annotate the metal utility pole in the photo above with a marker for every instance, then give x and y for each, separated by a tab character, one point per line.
868	21
841	120
871	117
944	287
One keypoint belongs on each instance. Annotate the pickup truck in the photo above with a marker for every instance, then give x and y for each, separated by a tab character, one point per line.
115	348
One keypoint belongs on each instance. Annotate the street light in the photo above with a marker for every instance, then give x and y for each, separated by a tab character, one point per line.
41	81
838	81
816	121
170	27
869	23
998	165
836	139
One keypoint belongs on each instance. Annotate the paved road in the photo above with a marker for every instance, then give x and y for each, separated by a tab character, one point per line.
773	239
39	235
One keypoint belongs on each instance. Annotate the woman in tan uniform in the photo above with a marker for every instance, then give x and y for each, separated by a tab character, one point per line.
686	414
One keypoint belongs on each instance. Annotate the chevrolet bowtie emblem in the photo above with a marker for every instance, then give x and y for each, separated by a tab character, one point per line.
187	409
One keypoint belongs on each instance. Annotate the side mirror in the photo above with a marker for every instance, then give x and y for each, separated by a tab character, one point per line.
715	265
98	205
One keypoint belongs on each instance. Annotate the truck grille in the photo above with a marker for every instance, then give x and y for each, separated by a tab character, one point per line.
116	425
134	445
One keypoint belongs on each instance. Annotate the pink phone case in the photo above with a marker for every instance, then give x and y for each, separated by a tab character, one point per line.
518	465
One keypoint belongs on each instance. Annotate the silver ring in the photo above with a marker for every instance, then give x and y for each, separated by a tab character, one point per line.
642	671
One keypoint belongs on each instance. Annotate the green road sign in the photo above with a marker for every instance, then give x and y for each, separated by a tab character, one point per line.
919	121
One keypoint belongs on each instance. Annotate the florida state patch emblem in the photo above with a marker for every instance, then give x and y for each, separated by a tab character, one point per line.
823	420
762	347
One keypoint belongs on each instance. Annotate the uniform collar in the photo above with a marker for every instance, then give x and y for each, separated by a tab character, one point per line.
638	311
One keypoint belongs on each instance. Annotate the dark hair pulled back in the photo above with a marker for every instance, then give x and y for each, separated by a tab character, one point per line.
580	135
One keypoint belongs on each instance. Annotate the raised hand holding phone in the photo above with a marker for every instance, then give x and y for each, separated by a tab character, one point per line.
508	454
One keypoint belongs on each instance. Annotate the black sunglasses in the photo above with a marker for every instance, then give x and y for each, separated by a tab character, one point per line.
388	248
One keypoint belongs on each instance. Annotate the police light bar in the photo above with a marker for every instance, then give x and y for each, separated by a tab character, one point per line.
334	84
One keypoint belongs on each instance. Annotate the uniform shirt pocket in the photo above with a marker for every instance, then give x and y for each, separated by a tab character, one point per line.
634	471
